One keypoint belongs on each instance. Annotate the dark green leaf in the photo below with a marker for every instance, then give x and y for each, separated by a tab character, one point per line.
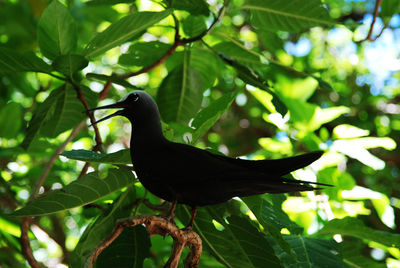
143	54
353	255
207	117
356	228
83	191
11	61
10	120
112	79
180	94
128	250
311	252
194	7
239	244
66	113
238	53
206	63
291	16
56	31
69	64
122	157
194	26
123	31
101	228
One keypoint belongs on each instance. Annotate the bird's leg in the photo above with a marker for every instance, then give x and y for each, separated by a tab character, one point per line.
190	225
171	215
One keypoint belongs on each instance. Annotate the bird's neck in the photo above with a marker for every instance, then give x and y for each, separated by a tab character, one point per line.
146	134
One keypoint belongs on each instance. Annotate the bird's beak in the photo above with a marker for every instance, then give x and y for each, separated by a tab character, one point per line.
120	104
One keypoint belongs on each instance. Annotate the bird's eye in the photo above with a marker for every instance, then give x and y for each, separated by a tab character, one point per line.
135	97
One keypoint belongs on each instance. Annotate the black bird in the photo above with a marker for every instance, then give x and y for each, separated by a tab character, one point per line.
181	173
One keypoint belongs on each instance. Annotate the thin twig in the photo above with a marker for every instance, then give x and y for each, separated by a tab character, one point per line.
161	226
371	28
53	158
25	245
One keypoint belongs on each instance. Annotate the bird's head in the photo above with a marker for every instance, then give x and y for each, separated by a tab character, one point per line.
136	106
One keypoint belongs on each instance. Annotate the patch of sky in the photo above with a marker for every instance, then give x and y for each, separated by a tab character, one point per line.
282	136
299	49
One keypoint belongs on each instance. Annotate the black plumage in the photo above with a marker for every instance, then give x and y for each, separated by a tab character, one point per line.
185	174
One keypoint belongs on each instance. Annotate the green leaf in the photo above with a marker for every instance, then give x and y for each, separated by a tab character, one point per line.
268	211
194	26
10	120
70	64
311	252
121	157
129	250
354	227
206	63
83	191
194	7
236	52
207	117
112	79
239	244
272	219
41	115
346	131
56	31
180	94
11	61
144	53
67	111
251	77
123	31
102	227
352	252
291	16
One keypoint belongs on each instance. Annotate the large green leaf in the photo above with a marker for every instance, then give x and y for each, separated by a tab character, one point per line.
128	250
11	61
194	25
288	15
123	31
143	53
70	64
41	115
83	191
10	120
68	112
112	79
194	7
56	31
121	157
59	112
354	227
207	117
102	227
354	256
180	94
239	244
311	252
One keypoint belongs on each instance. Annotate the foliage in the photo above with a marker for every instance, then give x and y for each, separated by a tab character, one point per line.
249	78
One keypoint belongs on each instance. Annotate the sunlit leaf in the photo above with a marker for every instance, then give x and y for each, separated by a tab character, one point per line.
346	131
194	26
122	157
56	31
83	191
123	31
291	16
354	227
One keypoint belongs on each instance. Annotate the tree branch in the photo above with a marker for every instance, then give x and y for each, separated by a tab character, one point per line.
371	28
25	245
161	226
